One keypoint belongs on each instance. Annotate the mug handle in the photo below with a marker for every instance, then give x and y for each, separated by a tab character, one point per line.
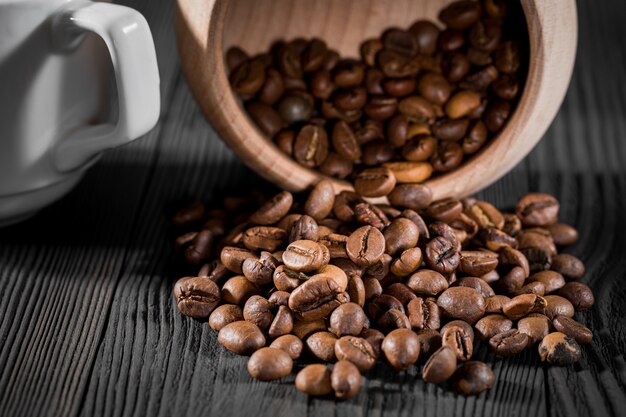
127	36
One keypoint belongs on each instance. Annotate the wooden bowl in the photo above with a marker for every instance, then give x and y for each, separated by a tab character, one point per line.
206	29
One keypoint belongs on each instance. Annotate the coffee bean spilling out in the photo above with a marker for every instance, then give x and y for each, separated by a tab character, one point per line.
417	103
337	279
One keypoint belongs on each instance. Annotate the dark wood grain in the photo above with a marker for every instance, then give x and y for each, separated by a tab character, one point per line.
87	321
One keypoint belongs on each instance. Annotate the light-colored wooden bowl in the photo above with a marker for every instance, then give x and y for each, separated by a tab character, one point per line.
206	29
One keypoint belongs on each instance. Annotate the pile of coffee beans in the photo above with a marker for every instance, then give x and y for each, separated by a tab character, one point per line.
335	279
417	103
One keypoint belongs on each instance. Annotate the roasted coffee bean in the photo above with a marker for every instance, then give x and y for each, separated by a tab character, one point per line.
496	115
476	137
444	210
462	103
372	287
412	196
248	77
375	338
241	337
441	255
535	326
462	303
287	280
506	87
314	380
534	287
272	211
345	380
460	339
268	364
451	40
447	157
350	99
260	271
508	343
264	238
303	329
494	304
473	377
223	315
381	303
189	215
321	84
477	263
573	329
233	258
369	49
317	298
453	130
356	350
348	73
196	297
440	366
336	166
537	209
278	298
393	319
480	80
265	117
568	265
559	349
427	282
400	41
365	246
423	314
579	294
296	106
478	284
273	87
289	60
311	145
347	319
419	148
314	55
430	341
380	107
345	142
290	344
558	306
513	257
417	109
257	310
200	248
322	345
400	235
551	280
234	57
401	348
237	290
410	172
455	67
371	215
563	234
460	14
507	57
495	239
356	290
408	261
375	182
398	87
485	215
524	304
491	325
282	323
305	228
401	292
336	245
305	256
426	34
396	65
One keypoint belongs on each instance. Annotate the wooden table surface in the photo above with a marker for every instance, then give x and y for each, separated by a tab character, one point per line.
88	325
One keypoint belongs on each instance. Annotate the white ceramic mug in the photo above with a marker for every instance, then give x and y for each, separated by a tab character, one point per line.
57	101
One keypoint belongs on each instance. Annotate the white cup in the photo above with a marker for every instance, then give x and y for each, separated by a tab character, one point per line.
58	107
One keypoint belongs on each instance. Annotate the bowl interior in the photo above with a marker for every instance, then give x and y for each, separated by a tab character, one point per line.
343	25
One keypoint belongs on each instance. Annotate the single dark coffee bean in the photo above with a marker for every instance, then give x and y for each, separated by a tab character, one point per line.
480	80
273	87
491	325
350	99
494	304
462	303
534	287
347	319
380	107
407	263
296	106
371	215
400	235
448	156
305	256
551	280
282	323
305	228
441	255
264	238
459	340
563	234
559	349
365	246
537	209
507	57
451	40
272	211
410	172
453	130
287	280
314	380
348	73
398	87
375	338
317	298
265	117
477	263
401	348
417	109
400	41
460	15
430	341
579	294
345	142
558	306
268	364
248	77
535	326
434	88
260	271
304	329
235	56
513	257
485	215
506	87
476	137
241	337
412	196
524	304
196	297
573	329
345	380
393	319
375	182
426	34
320	201
444	210
321	84
462	104
423	314
568	265
369	49
440	366
455	67
290	344
495	239
223	315
336	166
257	310
322	346
401	292
311	146
419	148
427	282
473	377
373	289
314	55
356	350
199	246
508	343
397	65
